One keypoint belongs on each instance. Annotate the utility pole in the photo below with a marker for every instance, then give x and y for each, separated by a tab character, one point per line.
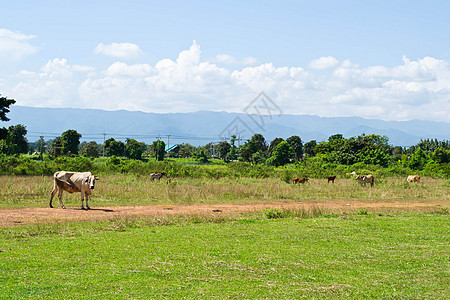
104	136
168	145
42	144
157	147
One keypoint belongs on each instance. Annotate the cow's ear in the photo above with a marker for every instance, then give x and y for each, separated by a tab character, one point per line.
97	178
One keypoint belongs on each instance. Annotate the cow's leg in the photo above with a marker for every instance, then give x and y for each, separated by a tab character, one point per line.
87	204
55	188
60	191
82	199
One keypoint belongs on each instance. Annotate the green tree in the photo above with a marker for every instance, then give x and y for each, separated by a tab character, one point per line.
16	139
159	149
90	149
56	147
296	143
200	156
281	154
5	103
70	142
232	154
441	155
256	144
273	144
309	148
223	148
418	160
134	149
113	147
186	150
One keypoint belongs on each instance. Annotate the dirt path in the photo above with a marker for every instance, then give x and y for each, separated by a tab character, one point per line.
11	217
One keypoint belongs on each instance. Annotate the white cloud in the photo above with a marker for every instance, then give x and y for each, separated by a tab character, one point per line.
324	63
230	60
14	45
414	89
119	50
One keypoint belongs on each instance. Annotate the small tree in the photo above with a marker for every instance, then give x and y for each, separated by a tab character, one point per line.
56	147
113	147
134	149
232	154
281	154
4	107
159	150
90	149
223	148
296	143
70	141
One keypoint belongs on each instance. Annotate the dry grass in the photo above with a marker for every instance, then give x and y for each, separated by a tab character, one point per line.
20	191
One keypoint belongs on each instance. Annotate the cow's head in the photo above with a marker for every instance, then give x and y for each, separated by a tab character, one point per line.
90	180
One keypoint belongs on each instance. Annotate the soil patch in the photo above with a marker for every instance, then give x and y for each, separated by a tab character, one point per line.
12	217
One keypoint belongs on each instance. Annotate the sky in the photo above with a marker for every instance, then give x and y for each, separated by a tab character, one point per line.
374	59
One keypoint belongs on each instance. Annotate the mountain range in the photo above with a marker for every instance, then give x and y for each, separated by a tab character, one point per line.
202	127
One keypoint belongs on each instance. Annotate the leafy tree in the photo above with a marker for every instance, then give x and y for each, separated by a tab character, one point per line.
309	148
90	149
223	148
418	160
56	147
113	147
200	156
186	150
16	139
232	154
70	141
273	144
158	148
134	149
281	154
255	144
441	155
296	143
4	107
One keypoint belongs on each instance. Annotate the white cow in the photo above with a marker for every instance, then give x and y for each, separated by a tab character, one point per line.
73	182
363	179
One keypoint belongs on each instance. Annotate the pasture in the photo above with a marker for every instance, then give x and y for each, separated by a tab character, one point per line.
227	238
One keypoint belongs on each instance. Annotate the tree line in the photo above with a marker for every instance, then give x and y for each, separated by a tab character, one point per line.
369	149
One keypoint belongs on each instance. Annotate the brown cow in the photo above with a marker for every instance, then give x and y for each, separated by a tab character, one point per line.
363	179
413	178
156	175
73	182
331	178
300	180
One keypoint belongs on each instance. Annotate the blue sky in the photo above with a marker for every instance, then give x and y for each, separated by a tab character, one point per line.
374	59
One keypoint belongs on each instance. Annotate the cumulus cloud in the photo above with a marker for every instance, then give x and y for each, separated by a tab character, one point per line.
119	50
414	89
15	45
230	60
324	63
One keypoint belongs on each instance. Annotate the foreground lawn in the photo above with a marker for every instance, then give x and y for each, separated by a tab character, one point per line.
401	256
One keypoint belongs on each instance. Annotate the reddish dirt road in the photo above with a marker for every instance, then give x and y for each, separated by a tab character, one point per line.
11	217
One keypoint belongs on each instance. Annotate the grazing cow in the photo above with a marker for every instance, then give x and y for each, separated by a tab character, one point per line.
156	175
413	178
300	180
331	178
73	182
363	179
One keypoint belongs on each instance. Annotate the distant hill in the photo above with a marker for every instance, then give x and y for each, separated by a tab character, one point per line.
200	128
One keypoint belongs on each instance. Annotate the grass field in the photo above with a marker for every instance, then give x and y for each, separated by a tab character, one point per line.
402	256
34	191
370	252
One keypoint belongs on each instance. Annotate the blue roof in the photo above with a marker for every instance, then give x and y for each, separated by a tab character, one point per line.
171	148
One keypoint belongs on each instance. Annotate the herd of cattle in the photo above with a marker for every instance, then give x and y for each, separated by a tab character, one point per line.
84	183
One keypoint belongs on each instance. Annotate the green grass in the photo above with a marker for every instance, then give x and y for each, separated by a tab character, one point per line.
363	256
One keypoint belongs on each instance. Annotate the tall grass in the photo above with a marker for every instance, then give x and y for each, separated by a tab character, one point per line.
136	189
